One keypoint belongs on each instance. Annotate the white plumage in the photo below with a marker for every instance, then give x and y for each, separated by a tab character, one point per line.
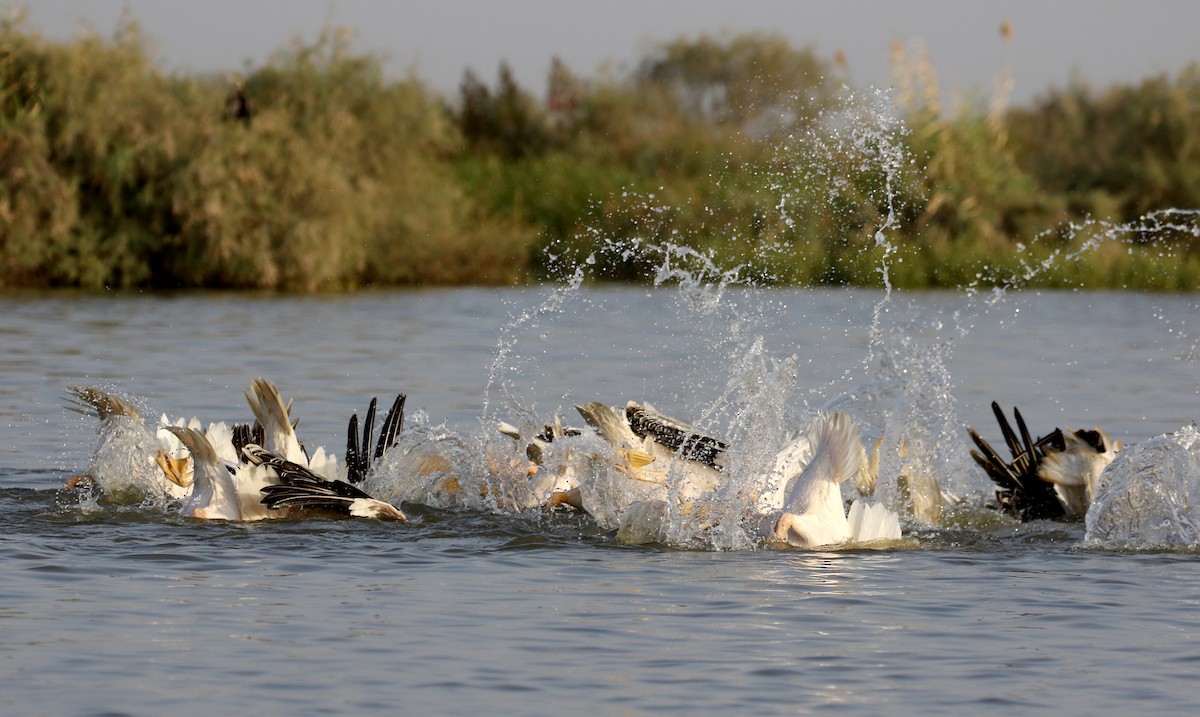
279	430
1076	469
799	501
215	490
813	514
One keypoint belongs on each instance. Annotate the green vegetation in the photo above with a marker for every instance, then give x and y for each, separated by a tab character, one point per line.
114	174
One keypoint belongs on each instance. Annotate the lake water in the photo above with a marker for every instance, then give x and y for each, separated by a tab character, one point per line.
119	610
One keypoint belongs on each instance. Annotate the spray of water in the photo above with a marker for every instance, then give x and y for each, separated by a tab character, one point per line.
756	401
750	394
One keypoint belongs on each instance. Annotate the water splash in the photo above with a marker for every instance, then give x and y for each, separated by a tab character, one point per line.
746	388
742	391
1149	497
507	360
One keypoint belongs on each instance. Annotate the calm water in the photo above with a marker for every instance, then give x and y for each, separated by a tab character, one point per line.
128	611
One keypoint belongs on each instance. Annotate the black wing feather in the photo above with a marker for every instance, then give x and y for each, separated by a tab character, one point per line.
1010	438
299	487
244	435
356	468
1020	491
359	454
676	435
369	429
392	424
1027	456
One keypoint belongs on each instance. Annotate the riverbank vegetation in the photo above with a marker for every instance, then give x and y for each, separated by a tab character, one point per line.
318	171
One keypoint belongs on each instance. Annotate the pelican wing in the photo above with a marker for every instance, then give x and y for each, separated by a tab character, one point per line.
609	424
676	435
274	416
90	400
359	454
215	494
836	456
299	487
1021	491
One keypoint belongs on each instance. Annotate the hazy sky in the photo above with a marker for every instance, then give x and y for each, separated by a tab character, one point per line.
1100	41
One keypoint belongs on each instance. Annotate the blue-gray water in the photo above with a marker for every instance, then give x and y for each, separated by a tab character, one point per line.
124	610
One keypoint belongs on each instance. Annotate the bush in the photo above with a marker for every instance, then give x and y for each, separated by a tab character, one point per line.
738	148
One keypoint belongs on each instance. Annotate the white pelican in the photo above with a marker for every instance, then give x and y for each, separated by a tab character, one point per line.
222	489
206	471
656	451
302	489
131	460
1052	477
799	502
813	514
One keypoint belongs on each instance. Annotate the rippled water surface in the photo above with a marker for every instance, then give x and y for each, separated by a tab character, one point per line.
122	610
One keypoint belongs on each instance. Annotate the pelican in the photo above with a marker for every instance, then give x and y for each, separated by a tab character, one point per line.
223	489
813	513
800	503
1052	477
222	473
653	448
300	488
131	459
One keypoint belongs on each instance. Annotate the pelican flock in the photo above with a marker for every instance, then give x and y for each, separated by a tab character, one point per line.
240	473
633	469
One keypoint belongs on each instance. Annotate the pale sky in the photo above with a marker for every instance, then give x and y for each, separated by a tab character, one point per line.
1100	41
